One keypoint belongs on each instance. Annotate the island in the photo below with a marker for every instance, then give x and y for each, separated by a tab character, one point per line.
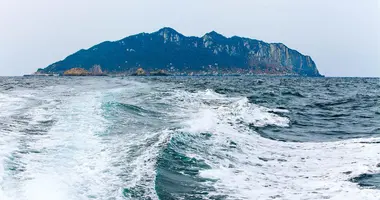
167	52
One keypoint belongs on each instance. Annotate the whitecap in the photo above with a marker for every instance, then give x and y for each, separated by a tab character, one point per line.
260	168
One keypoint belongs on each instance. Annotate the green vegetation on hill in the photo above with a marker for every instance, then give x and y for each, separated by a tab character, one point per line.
175	53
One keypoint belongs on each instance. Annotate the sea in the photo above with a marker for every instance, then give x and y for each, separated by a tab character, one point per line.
189	138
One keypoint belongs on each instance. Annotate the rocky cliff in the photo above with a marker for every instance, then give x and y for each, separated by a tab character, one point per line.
175	53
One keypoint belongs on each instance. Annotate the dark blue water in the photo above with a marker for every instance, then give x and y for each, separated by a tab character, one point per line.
189	138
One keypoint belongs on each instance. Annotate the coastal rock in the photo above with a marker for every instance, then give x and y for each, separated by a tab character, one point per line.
159	73
96	70
76	72
140	72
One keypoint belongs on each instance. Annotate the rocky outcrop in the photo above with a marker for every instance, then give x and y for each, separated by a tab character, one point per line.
160	72
76	72
175	53
139	72
96	70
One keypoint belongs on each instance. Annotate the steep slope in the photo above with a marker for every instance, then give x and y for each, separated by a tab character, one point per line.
173	52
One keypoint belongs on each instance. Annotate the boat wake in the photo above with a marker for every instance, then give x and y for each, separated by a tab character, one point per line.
106	138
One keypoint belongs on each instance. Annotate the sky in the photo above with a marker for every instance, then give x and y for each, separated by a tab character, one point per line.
342	36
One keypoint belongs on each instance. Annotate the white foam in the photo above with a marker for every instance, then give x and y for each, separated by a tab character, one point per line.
9	104
77	160
68	150
248	113
260	168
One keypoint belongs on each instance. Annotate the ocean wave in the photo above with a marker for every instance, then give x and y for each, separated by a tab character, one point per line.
240	164
209	115
131	108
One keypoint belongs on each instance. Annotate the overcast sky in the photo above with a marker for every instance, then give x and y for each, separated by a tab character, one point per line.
342	36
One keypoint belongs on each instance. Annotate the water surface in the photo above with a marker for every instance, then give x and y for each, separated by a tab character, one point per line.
189	138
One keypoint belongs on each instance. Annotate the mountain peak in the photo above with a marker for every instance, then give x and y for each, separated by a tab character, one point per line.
170	35
214	35
167	30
